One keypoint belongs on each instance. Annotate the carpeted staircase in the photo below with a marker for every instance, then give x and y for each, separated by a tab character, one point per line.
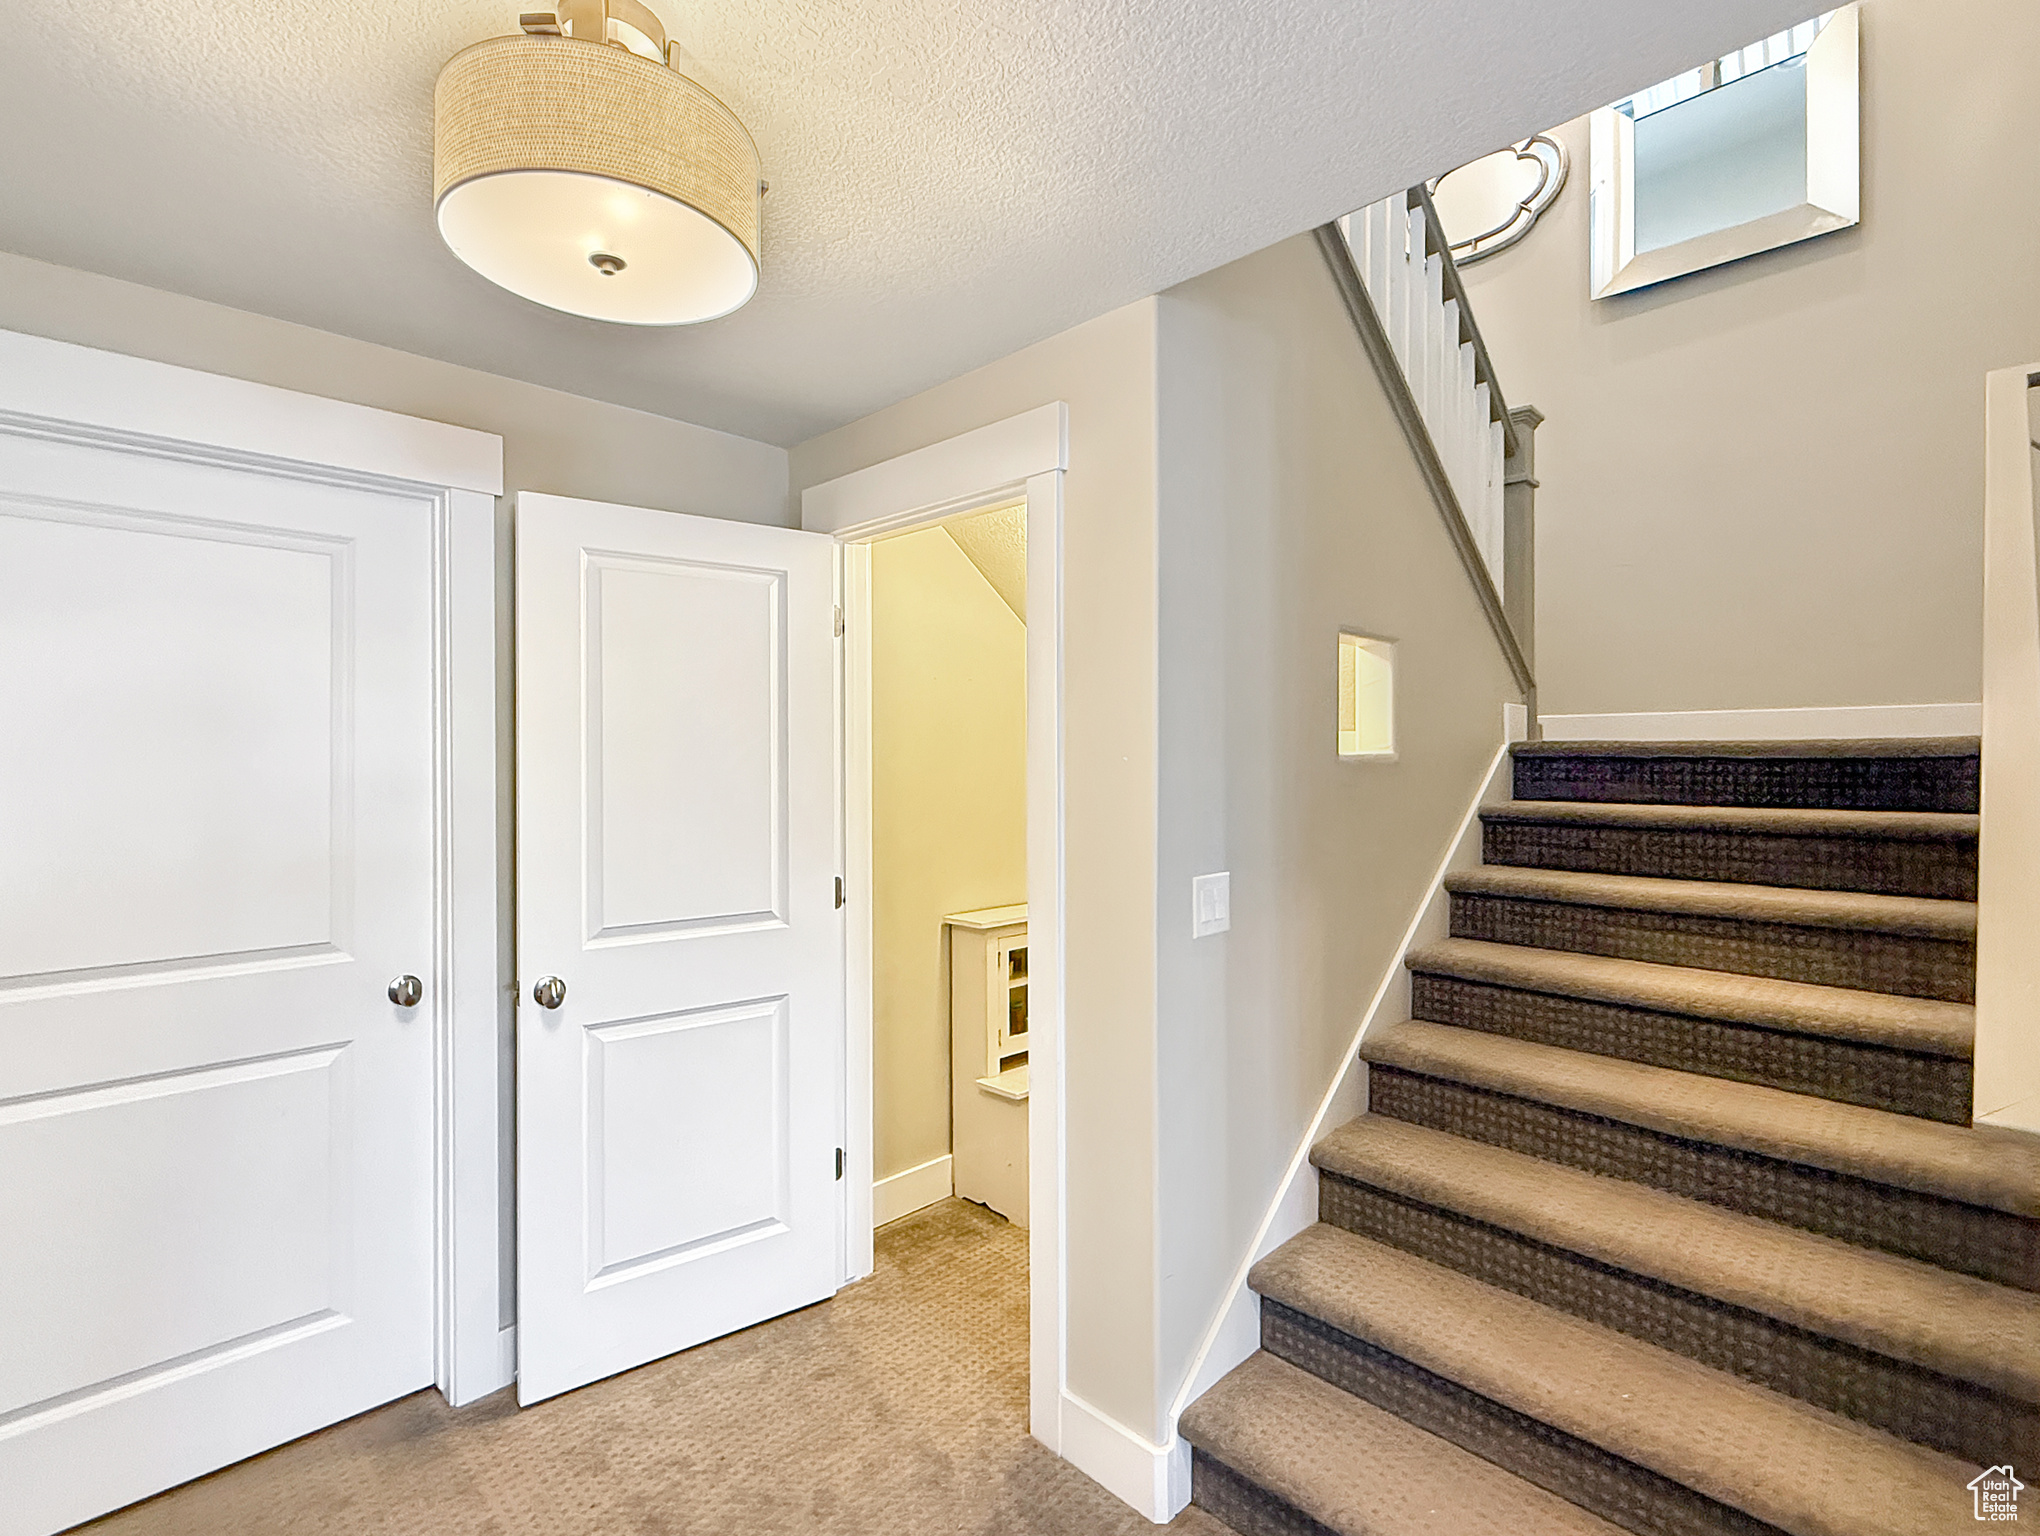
1666	1216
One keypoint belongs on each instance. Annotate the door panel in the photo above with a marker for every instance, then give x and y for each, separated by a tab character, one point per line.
678	1114
266	1257
669	1097
209	656
216	850
669	737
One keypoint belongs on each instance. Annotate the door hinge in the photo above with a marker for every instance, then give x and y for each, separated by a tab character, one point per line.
839	1162
839	891
839	620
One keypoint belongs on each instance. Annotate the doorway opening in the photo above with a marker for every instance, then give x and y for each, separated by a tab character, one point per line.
949	935
1017	462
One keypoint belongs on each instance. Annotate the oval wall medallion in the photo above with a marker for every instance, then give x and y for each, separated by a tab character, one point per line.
1488	204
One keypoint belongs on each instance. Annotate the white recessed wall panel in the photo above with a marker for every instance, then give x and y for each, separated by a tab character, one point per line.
672	1097
213	1198
175	725
687	746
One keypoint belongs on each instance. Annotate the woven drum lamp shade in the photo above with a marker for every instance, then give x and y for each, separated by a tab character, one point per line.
592	180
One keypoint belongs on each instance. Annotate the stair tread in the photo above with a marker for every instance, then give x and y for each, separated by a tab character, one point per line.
1901	746
1918	1024
1909	826
1985	1166
1957	1325
1912	916
1801	1468
1360	1470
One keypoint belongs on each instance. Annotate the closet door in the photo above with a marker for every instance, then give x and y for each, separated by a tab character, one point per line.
680	947
216	860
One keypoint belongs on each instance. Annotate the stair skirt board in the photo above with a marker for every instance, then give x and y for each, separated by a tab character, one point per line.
1632	1497
1847	1071
1969	1239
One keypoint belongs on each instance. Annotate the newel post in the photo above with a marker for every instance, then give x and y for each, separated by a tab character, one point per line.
1519	530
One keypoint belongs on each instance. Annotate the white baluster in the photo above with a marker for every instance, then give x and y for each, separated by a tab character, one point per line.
1498	519
1411	346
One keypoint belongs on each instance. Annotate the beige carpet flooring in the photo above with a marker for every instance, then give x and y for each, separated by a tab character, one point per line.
899	1407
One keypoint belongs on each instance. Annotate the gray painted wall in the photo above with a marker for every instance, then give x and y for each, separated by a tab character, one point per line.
564	444
1763	484
1290	509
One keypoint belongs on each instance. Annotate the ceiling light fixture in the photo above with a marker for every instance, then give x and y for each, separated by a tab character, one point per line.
575	166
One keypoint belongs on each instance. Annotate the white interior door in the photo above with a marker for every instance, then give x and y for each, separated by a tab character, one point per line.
679	1111
216	851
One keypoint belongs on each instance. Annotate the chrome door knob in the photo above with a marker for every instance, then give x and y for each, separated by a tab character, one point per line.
405	991
549	992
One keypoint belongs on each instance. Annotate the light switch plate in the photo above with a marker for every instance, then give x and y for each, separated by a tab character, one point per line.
1210	904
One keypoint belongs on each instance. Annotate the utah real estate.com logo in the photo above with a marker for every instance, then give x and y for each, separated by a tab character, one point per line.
1997	1494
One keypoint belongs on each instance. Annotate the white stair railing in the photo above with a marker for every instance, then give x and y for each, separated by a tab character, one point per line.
1405	264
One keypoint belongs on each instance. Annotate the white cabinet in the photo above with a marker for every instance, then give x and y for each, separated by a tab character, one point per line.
988	1057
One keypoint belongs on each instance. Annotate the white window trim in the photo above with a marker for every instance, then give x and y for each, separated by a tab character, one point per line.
1833	186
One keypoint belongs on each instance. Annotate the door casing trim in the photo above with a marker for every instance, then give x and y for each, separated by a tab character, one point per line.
1021	456
84	395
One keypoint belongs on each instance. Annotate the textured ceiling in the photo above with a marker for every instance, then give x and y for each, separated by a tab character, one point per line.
996	542
951	179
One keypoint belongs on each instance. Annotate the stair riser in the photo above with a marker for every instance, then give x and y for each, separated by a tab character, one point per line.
1620	1491
1831	957
1817	783
1969	1239
1245	1505
1882	866
1929	1087
1981	1426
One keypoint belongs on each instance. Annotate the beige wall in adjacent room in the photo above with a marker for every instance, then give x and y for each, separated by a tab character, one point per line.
1104	371
1762	485
1290	509
948	813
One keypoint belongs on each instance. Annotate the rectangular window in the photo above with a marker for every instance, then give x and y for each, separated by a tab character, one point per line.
1366	697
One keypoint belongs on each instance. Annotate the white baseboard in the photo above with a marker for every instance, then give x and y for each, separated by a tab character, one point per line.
1154	1479
487	1368
506	1353
1839	723
908	1191
2022	1116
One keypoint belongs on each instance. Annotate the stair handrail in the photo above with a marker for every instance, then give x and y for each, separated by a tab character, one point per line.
1464	411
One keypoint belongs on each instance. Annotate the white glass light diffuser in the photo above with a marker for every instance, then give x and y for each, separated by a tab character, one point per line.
596	247
590	179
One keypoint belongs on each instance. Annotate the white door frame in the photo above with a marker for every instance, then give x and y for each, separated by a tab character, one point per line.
76	394
1022	455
